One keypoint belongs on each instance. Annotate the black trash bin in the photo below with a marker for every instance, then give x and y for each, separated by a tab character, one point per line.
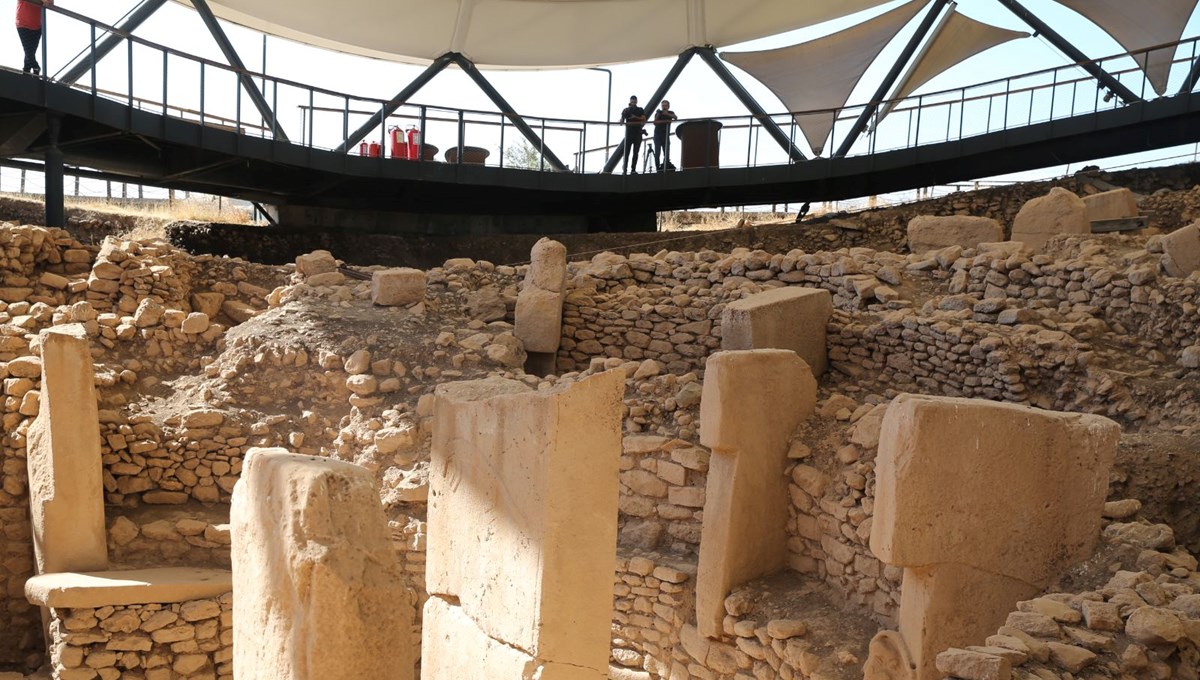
699	144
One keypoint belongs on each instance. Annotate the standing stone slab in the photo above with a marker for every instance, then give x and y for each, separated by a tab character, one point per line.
753	402
982	502
66	492
1042	218
521	552
320	591
934	232
539	304
1181	251
1111	205
790	318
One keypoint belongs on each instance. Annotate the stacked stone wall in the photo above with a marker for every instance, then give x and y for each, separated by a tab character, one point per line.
180	641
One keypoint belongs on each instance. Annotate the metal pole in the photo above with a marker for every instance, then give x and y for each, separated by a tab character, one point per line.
87	62
913	43
55	208
395	103
652	103
507	110
607	109
235	61
1193	75
709	55
1071	51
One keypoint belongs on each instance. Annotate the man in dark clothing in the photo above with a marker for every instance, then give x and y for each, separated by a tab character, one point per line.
662	134
634	118
29	28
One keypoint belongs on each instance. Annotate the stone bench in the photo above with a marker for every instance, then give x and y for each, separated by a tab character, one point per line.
72	590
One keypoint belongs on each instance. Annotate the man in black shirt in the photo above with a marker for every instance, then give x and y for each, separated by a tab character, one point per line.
634	118
662	134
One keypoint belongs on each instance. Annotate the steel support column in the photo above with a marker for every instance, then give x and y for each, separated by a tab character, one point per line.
235	61
507	111
652	103
88	60
53	160
396	102
890	79
709	55
1071	51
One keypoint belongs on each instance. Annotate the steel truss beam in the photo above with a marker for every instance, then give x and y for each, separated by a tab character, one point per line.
235	61
507	111
863	118
709	55
1071	51
87	61
396	102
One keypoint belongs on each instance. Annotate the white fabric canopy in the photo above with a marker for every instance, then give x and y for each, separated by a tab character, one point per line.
820	75
529	33
1136	24
958	38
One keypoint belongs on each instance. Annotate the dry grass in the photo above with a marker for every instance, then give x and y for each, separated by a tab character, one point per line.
200	210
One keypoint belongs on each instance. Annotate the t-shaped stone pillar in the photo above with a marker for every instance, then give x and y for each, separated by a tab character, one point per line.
781	318
521	552
66	492
753	401
539	304
983	504
320	592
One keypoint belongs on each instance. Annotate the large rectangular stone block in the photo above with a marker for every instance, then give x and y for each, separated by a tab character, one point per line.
1042	218
752	403
1004	488
66	491
1181	251
320	591
934	232
1111	205
781	318
523	519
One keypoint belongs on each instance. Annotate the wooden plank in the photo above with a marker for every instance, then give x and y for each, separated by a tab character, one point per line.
1120	224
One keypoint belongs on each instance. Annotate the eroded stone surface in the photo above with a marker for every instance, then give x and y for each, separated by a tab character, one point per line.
65	472
320	591
523	526
753	402
1059	212
789	318
934	232
539	304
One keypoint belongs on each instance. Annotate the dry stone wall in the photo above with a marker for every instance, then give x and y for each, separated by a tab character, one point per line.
190	640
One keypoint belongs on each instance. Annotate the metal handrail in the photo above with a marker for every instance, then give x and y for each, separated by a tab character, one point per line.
913	106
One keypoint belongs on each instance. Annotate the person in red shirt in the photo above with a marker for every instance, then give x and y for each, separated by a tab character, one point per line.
29	27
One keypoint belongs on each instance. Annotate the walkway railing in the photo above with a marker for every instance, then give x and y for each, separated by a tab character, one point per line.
153	77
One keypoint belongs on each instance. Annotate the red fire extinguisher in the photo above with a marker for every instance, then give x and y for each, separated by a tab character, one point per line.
375	150
414	144
399	146
362	149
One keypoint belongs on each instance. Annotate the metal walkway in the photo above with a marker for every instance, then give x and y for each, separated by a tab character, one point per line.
1022	123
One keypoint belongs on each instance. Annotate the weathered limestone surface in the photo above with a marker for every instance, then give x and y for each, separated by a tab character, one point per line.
321	592
752	404
932	232
65	471
1111	205
316	263
522	528
962	537
392	287
67	590
1058	212
789	318
539	304
1181	251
